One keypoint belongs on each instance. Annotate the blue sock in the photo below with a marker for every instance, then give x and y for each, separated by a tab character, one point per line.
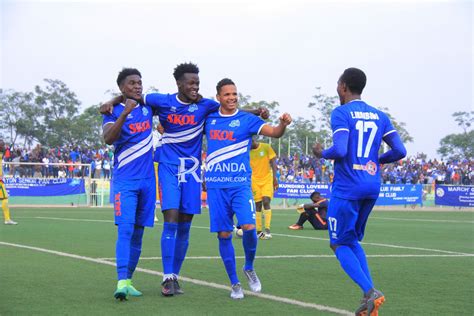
181	246
168	241
350	264
135	249
226	249
249	241
122	249
360	254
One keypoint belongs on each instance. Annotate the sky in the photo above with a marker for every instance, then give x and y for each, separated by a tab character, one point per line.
417	55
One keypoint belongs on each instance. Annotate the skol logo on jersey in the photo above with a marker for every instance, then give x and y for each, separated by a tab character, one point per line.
139	127
181	119
221	135
117	205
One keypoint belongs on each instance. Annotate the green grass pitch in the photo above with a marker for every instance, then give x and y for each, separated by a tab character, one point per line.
60	261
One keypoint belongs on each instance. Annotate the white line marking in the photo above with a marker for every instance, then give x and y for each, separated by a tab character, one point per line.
276	234
190	280
376	244
305	256
422	220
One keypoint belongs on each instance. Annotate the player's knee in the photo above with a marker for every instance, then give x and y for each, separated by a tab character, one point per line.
224	235
248	226
171	215
266	202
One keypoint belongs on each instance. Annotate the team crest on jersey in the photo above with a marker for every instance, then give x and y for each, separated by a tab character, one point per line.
130	116
193	107
145	111
262	153
371	168
213	122
173	109
234	123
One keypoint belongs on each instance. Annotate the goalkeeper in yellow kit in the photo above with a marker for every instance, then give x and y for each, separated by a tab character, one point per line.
3	191
264	181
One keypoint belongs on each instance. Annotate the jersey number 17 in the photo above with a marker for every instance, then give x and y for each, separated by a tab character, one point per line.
363	128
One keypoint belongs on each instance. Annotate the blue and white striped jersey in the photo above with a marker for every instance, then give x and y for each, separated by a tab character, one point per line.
133	151
183	124
229	138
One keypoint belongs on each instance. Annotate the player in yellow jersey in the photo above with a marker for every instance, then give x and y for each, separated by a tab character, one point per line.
3	190
264	181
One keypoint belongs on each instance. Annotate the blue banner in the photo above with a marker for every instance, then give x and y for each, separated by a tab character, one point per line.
44	187
454	195
300	190
400	194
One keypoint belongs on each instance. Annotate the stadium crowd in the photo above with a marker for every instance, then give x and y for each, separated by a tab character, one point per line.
71	159
295	168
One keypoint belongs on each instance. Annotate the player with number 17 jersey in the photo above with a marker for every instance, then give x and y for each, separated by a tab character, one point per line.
366	126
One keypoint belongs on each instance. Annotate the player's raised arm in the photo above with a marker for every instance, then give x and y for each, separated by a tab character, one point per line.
111	130
107	107
261	111
279	130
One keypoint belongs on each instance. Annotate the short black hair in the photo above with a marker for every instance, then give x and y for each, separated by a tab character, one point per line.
354	79
224	82
185	68
313	194
125	73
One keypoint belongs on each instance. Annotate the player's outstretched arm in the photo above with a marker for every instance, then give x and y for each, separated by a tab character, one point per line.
261	111
107	107
279	130
111	131
397	151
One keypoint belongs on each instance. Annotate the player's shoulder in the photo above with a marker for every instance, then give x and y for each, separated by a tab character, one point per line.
162	99
207	102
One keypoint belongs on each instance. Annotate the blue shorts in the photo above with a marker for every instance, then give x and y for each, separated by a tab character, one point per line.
182	196
134	201
225	202
347	220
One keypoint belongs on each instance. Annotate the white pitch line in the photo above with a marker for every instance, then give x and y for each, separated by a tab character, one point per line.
282	235
190	280
306	256
380	245
422	220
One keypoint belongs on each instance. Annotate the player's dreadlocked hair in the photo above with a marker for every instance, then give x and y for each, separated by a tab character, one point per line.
224	82
125	73
185	68
355	80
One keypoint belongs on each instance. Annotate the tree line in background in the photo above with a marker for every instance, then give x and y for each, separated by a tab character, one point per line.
50	116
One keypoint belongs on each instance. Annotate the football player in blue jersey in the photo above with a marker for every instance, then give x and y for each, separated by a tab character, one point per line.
228	179
128	128
182	116
358	131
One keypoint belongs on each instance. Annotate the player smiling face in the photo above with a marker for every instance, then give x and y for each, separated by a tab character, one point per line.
132	87
188	87
227	97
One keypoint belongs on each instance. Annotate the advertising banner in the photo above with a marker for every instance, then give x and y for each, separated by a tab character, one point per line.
44	187
454	195
300	190
400	194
